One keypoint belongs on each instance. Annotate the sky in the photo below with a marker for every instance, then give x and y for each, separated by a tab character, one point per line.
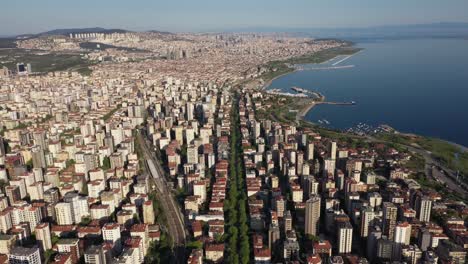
33	16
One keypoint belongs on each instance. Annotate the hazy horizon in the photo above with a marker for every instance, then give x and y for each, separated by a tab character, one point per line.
31	16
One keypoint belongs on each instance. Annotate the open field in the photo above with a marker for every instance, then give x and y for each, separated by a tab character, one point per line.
42	61
7	43
103	46
282	108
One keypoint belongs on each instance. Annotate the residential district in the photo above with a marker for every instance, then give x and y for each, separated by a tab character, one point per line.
159	154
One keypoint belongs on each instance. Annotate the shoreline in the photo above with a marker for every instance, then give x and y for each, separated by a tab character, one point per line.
309	107
268	83
302	114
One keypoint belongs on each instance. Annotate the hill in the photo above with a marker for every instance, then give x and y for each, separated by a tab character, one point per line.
67	31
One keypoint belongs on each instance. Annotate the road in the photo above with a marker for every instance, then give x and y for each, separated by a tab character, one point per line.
175	219
449	178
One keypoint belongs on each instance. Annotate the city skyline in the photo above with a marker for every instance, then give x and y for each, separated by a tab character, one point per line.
221	16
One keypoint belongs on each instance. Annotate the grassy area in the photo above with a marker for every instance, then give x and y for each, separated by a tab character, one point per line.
416	163
395	138
335	134
40	61
448	154
427	183
282	108
103	46
275	69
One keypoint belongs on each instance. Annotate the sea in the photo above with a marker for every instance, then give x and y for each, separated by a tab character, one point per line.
416	86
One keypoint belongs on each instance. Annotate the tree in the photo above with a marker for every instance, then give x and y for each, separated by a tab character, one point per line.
7	146
245	251
3	183
312	238
29	163
220	238
85	221
160	252
194	245
84	189
70	162
21	126
136	218
106	164
48	255
232	245
55	239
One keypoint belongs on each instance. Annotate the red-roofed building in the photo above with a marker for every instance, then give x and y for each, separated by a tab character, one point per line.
214	252
262	255
63	258
314	259
63	230
136	243
197	229
196	257
323	248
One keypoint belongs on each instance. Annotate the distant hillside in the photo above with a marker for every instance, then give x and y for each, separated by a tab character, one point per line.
67	31
160	32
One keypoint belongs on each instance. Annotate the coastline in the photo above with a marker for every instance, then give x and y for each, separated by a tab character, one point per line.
462	148
302	114
436	151
309	107
268	83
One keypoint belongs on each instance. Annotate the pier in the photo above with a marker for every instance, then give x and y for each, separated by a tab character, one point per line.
340	61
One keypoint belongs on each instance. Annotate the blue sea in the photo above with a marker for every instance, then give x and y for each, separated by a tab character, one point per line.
415	85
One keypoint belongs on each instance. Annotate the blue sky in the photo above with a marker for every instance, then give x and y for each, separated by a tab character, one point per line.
32	16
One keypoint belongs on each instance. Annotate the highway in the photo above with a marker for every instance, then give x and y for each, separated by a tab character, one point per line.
448	178
175	219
